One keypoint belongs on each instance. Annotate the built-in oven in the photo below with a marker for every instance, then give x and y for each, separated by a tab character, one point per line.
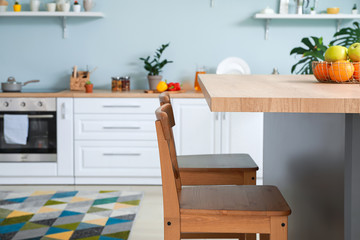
41	145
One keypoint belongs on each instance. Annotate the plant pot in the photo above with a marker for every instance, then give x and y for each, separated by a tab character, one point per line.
354	11
154	81
89	88
17	8
313	12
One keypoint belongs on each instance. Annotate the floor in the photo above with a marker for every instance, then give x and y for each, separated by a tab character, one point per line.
148	224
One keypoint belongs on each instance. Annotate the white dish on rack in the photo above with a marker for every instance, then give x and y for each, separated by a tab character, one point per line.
233	65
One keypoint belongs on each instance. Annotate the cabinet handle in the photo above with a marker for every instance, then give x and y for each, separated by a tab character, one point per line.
63	111
217	116
36	116
122	128
122	154
224	116
121	106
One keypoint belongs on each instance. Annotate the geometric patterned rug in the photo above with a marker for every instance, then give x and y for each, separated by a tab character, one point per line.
84	215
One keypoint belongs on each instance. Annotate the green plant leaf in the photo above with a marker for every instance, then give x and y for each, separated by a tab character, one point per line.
315	52
347	36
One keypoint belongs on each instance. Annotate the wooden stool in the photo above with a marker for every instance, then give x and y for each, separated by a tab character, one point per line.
217	210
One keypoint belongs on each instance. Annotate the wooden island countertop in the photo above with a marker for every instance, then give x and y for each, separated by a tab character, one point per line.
278	93
98	93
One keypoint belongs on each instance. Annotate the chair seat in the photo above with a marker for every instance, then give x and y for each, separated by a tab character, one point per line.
217	162
234	200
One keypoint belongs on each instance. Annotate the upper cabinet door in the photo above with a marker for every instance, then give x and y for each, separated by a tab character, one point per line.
197	130
243	133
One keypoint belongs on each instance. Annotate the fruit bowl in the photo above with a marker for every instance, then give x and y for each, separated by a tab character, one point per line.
337	72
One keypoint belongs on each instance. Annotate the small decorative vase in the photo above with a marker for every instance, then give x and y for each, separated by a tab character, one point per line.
34	5
17	8
154	81
89	88
312	12
77	8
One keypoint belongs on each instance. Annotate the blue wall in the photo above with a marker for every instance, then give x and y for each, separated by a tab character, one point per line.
33	48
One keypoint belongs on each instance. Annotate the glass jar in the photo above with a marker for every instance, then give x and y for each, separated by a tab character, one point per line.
199	70
125	83
116	84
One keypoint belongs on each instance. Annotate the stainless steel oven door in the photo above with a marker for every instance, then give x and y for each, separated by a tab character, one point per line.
41	145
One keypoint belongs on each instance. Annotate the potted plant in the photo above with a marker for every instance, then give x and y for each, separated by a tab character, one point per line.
154	66
89	87
17	6
312	11
354	9
76	6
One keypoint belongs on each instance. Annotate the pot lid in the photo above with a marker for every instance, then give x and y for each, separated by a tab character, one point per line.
11	80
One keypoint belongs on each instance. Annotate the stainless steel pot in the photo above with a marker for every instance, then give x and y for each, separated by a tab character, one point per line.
12	86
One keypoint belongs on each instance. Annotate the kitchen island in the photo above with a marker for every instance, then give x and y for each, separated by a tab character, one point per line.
311	145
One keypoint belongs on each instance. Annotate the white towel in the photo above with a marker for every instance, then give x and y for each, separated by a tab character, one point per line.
16	128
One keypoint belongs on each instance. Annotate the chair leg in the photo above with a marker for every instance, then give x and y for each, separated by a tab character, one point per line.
279	228
171	231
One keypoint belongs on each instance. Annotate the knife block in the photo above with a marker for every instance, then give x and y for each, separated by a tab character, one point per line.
78	83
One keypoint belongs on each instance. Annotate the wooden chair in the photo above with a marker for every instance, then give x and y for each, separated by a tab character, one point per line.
213	169
217	210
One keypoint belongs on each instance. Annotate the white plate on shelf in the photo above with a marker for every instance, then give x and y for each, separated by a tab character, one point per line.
233	65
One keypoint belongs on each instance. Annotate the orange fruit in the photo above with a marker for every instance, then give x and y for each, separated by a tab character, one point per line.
321	71
341	71
356	74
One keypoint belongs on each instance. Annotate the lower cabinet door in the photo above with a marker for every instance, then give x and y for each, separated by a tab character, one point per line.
117	159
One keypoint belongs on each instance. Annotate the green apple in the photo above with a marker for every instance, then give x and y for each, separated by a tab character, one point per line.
336	53
354	52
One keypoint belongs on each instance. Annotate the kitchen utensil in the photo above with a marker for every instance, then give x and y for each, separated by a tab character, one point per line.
233	65
75	72
78	83
93	70
12	86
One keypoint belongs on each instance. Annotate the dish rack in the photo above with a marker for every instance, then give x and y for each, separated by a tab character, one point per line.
336	72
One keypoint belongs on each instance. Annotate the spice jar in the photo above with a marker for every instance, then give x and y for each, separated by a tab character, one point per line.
116	84
125	83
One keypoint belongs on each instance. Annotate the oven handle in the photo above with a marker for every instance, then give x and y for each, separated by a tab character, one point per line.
36	116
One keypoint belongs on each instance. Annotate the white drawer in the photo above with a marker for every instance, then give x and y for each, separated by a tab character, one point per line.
112	127
117	158
116	105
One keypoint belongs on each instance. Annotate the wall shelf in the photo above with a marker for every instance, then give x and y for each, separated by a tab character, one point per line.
337	17
62	15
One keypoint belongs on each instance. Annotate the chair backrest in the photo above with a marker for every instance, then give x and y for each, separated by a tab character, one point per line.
164	98
170	175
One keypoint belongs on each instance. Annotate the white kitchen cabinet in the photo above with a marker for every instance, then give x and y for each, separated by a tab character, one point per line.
199	131
65	136
115	141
